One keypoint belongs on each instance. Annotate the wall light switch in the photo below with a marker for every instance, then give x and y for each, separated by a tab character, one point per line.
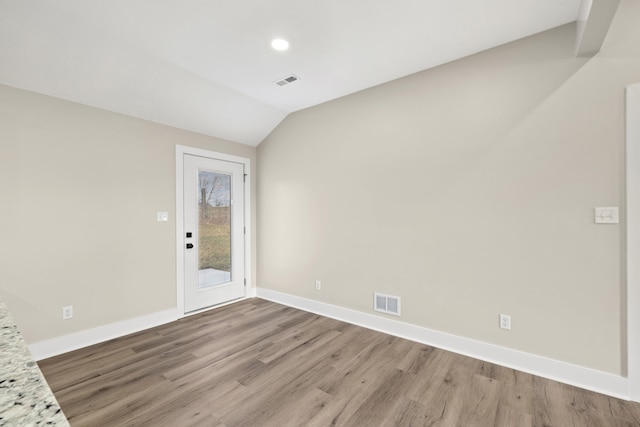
163	216
606	215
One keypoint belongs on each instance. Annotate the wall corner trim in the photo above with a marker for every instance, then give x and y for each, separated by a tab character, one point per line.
586	378
66	343
592	29
632	170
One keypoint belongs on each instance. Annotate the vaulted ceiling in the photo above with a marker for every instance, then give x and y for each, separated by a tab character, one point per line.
208	66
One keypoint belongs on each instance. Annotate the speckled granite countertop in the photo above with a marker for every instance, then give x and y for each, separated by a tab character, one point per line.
25	396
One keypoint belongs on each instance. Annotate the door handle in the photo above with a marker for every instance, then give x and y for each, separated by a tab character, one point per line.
189	245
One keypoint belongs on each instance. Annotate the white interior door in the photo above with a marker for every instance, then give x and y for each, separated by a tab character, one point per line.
213	232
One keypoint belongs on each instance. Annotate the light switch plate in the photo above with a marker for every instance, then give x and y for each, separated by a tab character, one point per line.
163	216
606	215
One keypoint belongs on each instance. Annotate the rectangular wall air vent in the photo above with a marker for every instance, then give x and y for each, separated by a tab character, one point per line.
287	80
386	304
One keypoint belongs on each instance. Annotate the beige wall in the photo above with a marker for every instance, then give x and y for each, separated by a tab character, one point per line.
80	188
468	190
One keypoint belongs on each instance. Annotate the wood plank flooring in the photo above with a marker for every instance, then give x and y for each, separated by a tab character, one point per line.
257	363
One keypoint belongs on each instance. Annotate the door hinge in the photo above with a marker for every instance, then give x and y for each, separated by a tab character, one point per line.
245	281
244	230
244	178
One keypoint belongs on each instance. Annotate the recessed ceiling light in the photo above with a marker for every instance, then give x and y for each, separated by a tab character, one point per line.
280	44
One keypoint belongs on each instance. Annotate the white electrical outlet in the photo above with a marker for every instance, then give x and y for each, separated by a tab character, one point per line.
67	312
163	216
505	321
318	285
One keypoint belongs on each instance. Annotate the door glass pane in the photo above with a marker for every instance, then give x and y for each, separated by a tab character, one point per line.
214	228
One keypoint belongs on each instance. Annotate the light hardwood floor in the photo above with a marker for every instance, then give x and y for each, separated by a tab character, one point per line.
257	363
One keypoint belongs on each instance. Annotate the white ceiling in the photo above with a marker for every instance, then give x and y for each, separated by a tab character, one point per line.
207	65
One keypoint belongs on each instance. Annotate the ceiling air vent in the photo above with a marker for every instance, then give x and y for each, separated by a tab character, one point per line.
287	80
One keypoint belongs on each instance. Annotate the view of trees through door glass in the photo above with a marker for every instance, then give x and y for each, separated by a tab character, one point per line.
214	228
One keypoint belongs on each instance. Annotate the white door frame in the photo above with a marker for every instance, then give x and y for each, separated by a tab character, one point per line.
181	150
633	239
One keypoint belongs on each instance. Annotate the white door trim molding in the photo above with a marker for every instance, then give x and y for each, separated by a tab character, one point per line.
181	150
633	238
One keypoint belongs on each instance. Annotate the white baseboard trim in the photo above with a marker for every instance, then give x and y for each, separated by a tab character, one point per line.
590	379
55	346
251	292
